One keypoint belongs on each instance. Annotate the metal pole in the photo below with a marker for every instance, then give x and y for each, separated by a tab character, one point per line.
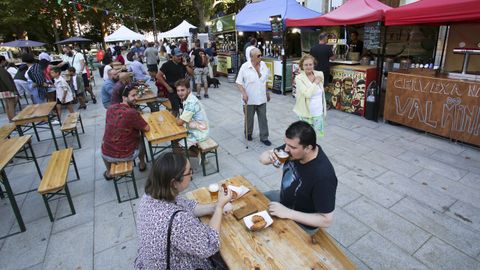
154	21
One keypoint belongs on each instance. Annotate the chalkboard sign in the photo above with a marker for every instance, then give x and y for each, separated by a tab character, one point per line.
277	84
276	23
371	39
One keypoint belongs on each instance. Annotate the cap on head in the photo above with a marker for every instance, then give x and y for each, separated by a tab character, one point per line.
177	52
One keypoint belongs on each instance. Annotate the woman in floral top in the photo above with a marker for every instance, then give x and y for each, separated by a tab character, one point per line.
192	242
193	114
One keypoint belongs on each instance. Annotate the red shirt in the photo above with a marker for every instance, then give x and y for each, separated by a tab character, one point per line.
122	131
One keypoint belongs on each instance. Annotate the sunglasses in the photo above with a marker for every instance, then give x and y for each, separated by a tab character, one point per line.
258	55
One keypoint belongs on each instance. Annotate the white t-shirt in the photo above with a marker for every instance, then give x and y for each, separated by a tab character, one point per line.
61	86
105	72
256	87
316	103
75	61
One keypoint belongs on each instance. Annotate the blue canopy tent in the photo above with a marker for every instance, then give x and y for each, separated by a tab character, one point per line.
256	16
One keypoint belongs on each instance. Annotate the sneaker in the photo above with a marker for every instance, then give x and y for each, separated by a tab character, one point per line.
267	142
55	122
94	100
249	137
82	107
199	97
206	96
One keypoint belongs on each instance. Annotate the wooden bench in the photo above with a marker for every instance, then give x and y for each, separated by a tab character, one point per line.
6	130
123	170
167	104
69	126
209	146
55	178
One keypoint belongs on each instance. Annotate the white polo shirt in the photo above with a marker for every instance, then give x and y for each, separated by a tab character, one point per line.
256	87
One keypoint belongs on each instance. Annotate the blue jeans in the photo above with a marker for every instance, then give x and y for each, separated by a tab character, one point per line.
38	94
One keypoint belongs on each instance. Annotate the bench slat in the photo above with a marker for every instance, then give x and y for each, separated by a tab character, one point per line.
70	122
121	168
207	145
6	130
55	176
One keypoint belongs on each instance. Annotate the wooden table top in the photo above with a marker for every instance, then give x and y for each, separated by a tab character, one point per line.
34	111
6	130
163	127
148	96
283	245
10	147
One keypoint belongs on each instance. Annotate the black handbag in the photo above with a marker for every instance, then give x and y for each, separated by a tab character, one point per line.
169	232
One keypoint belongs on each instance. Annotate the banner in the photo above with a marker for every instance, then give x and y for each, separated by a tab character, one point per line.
442	106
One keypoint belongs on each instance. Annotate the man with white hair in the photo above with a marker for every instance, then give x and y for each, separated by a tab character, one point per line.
252	83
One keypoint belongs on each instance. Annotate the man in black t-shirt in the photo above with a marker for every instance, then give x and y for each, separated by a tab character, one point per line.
323	53
200	69
173	70
309	183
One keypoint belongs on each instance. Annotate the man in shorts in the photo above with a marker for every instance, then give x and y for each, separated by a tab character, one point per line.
200	69
63	91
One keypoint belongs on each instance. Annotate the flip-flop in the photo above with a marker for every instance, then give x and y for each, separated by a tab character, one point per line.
106	177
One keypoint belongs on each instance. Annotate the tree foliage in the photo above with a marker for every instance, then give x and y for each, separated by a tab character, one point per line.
52	20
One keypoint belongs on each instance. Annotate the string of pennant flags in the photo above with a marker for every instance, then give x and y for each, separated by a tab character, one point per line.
82	6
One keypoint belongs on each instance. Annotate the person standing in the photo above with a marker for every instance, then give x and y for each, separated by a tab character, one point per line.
36	79
151	55
200	69
356	45
310	104
252	83
8	91
77	60
21	82
248	49
76	84
309	183
64	93
173	70
323	53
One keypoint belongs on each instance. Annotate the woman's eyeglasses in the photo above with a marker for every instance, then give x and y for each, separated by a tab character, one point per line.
190	173
258	55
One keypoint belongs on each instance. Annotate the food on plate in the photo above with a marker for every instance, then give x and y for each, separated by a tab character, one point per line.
234	195
225	189
258	223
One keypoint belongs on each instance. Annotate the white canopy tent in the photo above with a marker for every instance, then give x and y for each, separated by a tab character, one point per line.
181	30
124	33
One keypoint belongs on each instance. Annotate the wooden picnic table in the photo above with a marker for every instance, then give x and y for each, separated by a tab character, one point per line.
163	128
35	113
148	96
9	149
283	245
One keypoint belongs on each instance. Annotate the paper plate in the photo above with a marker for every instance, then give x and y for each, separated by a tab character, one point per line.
248	219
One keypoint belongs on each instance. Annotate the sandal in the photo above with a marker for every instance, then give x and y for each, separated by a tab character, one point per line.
108	178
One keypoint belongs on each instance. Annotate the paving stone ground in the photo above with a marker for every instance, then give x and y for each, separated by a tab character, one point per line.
405	199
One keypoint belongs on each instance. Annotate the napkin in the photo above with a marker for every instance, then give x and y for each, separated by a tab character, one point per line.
241	190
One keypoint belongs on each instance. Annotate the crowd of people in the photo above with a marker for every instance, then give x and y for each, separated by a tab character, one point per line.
170	234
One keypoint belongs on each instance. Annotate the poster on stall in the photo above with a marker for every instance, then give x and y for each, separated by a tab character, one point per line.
269	64
347	92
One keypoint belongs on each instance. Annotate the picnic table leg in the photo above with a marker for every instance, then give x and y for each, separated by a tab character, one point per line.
13	202
75	166
19	130
64	139
151	151
53	133
35	160
186	147
78	138
36	132
81	123
1	193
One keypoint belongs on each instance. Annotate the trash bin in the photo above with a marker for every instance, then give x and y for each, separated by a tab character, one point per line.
371	110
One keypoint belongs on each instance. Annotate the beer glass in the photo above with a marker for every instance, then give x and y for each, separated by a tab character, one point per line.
213	189
282	156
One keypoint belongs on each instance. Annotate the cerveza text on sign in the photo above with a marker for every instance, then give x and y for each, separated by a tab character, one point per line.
446	107
437	87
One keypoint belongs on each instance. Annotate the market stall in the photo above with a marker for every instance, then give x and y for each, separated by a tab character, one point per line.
447	101
223	31
279	47
348	91
124	33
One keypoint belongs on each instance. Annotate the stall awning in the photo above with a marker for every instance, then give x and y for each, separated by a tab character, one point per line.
256	16
181	30
124	33
352	12
434	11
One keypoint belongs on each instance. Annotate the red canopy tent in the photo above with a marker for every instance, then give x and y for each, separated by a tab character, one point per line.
352	12
434	11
